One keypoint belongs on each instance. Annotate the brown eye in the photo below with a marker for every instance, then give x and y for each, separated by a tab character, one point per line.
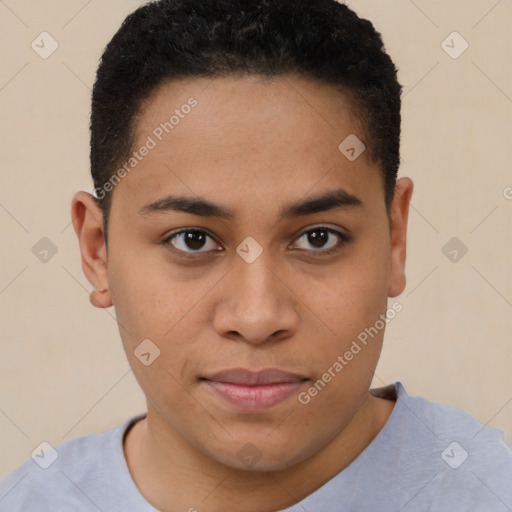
323	240
191	240
318	238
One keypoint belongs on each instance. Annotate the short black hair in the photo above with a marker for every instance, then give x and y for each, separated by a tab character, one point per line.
166	40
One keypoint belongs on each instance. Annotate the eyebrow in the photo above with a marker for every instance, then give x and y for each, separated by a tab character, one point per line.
330	200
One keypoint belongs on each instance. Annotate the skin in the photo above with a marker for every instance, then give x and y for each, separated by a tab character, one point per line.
252	145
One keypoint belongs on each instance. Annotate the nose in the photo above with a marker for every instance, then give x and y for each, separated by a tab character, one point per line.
258	305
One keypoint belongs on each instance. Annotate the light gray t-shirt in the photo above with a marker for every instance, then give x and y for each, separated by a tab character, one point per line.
428	457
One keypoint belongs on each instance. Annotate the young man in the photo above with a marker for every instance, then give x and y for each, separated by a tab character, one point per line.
248	228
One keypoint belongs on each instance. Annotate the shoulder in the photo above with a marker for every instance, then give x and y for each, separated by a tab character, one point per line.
466	463
71	476
447	423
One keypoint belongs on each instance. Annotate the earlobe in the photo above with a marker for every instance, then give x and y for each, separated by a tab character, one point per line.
100	298
87	220
399	217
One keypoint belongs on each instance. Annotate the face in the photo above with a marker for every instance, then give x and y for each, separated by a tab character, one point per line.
279	283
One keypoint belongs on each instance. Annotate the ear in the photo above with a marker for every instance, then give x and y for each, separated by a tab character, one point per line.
399	216
87	219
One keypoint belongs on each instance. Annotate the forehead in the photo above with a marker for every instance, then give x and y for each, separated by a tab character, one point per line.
244	135
226	102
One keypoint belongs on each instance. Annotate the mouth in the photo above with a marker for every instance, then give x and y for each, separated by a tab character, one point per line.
251	391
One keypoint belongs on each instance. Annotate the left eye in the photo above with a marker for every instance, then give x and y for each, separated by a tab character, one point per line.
320	235
191	241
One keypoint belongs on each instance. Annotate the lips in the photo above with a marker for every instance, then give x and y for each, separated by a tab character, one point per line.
244	377
252	391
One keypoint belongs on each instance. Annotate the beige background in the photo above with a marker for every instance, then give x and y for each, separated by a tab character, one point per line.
63	373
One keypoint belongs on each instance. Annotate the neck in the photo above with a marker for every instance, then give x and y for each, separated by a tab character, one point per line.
174	476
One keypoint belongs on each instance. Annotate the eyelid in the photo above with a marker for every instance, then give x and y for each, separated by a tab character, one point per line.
344	239
167	241
342	232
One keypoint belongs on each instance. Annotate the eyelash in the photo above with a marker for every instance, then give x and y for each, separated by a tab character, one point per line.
344	240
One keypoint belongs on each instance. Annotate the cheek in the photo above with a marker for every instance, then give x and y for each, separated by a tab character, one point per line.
142	294
151	305
356	295
155	346
352	307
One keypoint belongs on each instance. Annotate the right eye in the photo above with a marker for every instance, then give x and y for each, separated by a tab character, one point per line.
193	239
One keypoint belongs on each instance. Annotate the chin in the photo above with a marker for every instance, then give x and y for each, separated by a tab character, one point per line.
249	457
263	465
